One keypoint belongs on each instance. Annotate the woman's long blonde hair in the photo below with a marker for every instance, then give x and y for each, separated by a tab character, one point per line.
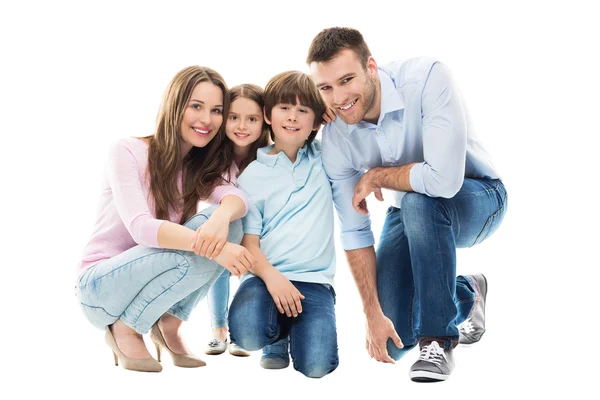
203	167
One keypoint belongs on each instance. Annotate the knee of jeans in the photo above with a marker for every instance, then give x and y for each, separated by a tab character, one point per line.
316	368
397	353
417	209
236	232
245	333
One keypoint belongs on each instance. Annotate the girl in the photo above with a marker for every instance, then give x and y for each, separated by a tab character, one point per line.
138	272
247	132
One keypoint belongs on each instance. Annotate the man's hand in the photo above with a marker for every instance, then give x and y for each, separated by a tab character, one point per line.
379	329
284	293
363	188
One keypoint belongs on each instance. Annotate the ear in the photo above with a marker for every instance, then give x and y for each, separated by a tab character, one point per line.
372	67
267	120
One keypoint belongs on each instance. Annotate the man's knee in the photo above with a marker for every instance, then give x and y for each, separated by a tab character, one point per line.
419	211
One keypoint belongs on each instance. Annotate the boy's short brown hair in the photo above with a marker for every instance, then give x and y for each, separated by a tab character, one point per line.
289	87
329	42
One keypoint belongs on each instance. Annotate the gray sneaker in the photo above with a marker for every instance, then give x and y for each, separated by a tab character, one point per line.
276	355
471	330
434	364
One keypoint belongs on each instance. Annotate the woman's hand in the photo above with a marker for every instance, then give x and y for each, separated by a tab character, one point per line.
211	236
236	259
286	296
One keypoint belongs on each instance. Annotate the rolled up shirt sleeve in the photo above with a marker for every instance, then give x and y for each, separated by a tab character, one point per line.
444	137
355	227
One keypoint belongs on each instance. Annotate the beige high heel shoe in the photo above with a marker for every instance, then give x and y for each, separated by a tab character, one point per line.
134	364
180	360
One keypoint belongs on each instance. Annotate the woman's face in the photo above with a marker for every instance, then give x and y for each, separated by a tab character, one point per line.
202	117
244	123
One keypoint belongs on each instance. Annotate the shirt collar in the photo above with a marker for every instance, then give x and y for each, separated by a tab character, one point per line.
391	101
263	156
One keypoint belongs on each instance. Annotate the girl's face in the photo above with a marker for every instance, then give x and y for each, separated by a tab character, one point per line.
245	122
202	117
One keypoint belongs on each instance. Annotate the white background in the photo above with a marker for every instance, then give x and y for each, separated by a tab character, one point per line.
75	77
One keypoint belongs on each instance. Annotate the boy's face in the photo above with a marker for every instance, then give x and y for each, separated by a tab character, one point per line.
346	86
291	124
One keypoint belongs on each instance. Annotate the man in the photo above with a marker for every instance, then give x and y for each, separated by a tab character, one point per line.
404	127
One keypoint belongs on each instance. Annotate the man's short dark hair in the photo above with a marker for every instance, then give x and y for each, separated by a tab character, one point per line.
329	42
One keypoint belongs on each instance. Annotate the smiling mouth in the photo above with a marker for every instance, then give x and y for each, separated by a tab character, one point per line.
241	135
349	106
202	132
291	129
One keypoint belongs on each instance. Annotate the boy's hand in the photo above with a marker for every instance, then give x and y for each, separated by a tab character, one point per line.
329	115
211	236
286	296
236	259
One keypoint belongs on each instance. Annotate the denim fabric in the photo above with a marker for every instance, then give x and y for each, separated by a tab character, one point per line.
142	283
416	259
255	322
218	300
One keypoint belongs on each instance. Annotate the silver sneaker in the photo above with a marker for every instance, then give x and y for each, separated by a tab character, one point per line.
471	330
216	346
434	364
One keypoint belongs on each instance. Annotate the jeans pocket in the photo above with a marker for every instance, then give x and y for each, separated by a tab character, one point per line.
491	225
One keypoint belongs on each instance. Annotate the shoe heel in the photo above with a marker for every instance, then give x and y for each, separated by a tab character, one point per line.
157	351
116	359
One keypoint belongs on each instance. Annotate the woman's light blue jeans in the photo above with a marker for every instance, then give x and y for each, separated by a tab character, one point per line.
141	284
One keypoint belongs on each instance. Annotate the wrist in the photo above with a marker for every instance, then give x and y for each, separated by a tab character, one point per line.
222	213
372	311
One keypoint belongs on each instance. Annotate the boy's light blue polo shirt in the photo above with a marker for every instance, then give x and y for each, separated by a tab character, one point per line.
291	208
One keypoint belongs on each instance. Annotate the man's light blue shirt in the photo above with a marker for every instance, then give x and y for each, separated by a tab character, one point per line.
423	120
291	208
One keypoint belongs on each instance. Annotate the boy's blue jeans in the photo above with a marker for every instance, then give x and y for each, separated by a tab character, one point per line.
142	283
255	322
416	259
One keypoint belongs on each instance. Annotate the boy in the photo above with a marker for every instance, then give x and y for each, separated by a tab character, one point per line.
289	229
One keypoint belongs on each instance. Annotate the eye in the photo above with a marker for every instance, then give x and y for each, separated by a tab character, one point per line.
283	107
303	110
347	80
324	88
196	106
252	119
218	111
233	117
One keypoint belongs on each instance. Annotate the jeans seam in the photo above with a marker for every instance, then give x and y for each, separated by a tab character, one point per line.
187	266
132	261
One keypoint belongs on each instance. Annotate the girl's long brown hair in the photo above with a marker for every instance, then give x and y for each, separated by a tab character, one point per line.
203	167
256	94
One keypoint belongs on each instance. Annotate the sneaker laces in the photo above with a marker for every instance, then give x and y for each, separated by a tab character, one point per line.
466	326
432	353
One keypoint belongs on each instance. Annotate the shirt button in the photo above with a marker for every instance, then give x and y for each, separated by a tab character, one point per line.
389	160
377	130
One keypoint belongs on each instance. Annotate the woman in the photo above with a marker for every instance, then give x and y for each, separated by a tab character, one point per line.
138	272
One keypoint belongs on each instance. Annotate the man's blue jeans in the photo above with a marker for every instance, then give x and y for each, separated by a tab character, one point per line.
416	259
255	322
